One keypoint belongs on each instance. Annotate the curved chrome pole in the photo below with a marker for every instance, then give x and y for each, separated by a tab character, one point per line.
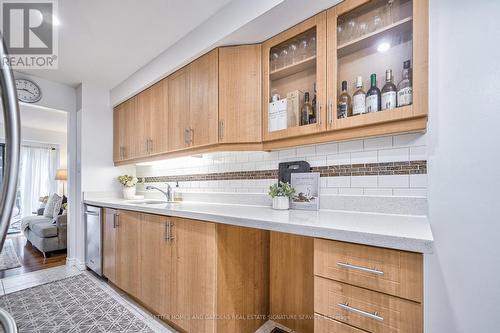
12	149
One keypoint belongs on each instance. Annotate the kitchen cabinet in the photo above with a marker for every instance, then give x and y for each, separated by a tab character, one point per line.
188	271
203	100
154	261
124	146
178	109
193	271
292	281
109	244
368	288
304	73
193	104
152	120
127	252
240	101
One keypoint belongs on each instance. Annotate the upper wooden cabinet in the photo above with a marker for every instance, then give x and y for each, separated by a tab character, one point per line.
240	77
203	100
372	37
294	63
227	97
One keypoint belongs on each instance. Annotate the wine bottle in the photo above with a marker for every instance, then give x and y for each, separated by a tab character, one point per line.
405	87
373	100
312	116
389	92
358	98
306	110
344	103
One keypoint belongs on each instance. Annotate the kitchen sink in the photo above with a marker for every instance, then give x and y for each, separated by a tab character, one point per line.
149	202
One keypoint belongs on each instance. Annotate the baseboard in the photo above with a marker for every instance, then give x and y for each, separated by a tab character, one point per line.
77	263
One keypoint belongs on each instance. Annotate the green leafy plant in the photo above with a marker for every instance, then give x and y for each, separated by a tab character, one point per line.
281	189
65	206
127	180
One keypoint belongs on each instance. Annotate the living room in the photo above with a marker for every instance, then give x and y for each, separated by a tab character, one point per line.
37	231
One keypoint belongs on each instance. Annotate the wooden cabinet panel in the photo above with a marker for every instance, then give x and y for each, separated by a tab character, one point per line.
178	109
119	133
154	261
158	119
142	126
394	272
193	291
109	245
291	285
368	310
240	98
127	250
242	283
203	99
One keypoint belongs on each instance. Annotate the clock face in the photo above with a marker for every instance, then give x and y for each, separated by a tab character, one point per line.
28	91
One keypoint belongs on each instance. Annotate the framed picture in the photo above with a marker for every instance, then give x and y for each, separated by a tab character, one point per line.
306	191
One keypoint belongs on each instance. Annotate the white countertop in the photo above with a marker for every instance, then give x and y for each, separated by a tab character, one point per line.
403	232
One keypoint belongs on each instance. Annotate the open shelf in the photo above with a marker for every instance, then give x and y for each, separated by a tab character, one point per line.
400	27
293	68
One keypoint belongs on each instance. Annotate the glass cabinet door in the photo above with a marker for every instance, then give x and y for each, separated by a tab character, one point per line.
294	84
371	62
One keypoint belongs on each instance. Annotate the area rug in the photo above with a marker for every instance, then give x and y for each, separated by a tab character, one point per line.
8	256
74	304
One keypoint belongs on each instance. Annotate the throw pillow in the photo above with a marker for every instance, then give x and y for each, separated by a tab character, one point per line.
54	202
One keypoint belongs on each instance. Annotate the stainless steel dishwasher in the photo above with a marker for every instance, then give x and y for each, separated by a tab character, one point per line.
93	245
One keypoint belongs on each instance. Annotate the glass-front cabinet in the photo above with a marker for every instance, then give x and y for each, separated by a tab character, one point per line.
294	85
377	63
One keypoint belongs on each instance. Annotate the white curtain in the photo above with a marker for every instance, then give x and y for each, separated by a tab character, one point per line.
36	176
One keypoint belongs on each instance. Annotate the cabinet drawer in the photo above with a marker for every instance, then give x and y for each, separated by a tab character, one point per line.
365	309
327	325
394	272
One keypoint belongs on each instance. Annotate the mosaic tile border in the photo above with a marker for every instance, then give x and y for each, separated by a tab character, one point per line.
363	169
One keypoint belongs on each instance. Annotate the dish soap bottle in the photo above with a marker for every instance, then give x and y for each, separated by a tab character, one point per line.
177	193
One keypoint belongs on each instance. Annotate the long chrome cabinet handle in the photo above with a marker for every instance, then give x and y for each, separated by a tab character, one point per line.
114	221
191	135
360	268
370	315
165	231
12	127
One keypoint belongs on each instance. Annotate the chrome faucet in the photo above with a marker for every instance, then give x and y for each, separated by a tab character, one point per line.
167	193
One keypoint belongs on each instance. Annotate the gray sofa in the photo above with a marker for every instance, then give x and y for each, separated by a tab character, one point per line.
45	233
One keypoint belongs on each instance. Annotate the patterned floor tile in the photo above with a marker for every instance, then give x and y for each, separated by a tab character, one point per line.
74	304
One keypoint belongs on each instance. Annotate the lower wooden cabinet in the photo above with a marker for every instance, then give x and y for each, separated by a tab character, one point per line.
197	276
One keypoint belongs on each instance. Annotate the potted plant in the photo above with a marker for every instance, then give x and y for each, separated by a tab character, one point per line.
128	183
281	194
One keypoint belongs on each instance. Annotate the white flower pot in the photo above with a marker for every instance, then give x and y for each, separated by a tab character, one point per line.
129	192
281	203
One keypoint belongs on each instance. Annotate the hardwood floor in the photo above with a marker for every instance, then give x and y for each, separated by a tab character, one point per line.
32	259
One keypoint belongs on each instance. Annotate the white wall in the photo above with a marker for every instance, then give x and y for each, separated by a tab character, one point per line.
95	170
55	95
462	277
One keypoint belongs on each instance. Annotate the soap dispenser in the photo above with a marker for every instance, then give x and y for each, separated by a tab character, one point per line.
177	192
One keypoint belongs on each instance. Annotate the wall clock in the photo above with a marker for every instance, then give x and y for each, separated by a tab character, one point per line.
28	91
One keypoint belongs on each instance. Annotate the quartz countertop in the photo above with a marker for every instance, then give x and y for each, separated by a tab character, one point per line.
402	232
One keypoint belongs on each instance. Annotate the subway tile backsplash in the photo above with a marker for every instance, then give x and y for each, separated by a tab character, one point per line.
381	166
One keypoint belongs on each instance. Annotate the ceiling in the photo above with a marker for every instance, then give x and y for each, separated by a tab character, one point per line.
42	118
106	41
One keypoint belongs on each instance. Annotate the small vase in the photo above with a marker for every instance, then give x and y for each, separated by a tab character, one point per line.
129	192
281	203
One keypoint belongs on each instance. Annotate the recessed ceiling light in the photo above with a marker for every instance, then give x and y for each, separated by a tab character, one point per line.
383	47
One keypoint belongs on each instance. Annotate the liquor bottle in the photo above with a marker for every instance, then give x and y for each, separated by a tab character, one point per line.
388	92
344	103
373	100
358	98
306	110
405	87
312	117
